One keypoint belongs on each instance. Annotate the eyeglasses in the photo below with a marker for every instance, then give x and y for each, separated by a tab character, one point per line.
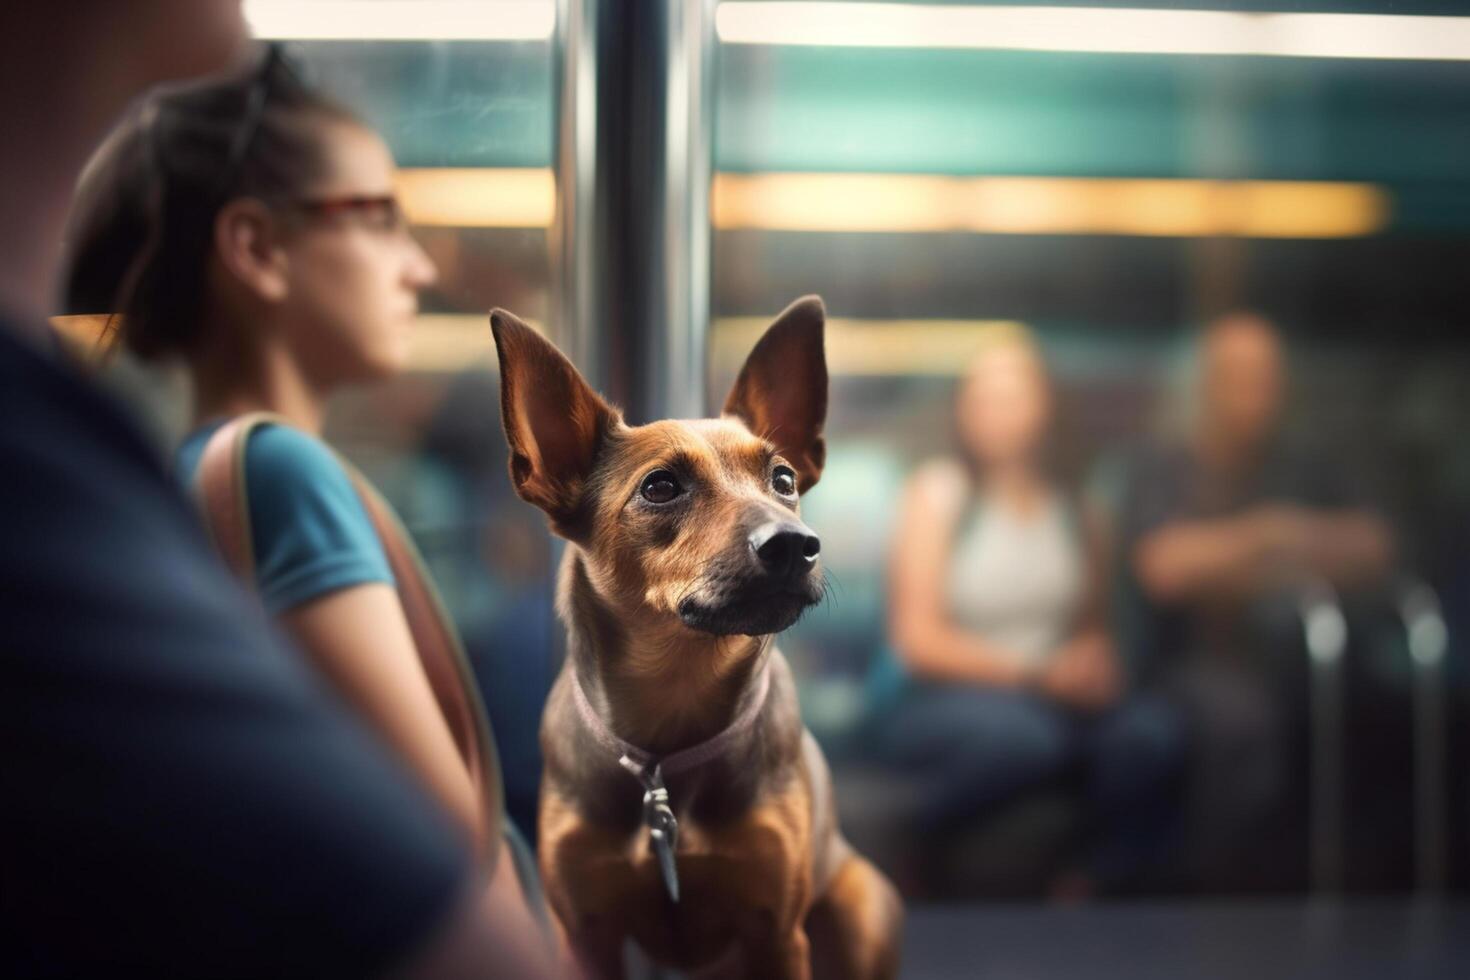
380	212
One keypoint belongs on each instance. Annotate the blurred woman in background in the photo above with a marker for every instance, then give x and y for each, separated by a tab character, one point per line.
996	615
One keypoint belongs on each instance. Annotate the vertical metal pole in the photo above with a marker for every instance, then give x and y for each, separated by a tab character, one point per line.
575	288
688	162
572	242
1326	635
631	241
1428	642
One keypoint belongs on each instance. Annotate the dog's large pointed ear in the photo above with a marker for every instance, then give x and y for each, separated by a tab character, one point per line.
781	393
554	422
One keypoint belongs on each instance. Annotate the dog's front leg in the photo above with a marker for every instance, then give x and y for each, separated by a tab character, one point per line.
776	948
598	948
789	957
857	926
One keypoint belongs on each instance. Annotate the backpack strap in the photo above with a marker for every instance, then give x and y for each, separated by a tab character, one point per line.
439	649
221	489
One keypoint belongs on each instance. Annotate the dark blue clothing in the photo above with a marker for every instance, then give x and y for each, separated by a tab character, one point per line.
309	531
973	748
178	795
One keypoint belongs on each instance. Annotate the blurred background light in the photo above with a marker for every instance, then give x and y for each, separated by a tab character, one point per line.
474	197
1115	31
450	342
439	342
1048	205
871	347
454	342
395	20
509	197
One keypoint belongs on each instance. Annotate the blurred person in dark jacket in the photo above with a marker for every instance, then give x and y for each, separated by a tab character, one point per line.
1221	531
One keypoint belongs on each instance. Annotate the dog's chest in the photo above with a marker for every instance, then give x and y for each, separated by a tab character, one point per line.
730	882
733	877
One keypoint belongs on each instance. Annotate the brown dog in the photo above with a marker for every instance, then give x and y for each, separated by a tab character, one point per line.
687	554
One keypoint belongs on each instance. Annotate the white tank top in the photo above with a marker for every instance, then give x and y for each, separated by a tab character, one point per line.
1017	580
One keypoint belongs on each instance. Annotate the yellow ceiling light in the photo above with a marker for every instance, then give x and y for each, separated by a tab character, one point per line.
438	342
452	342
526	198
1094	29
1047	205
478	197
867	347
401	20
1285	209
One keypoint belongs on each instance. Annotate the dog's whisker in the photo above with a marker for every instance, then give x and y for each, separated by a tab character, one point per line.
829	578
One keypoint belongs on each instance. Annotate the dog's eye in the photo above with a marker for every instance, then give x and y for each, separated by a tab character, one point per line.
659	487
783	481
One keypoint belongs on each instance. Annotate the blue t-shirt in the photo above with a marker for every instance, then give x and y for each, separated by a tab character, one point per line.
309	530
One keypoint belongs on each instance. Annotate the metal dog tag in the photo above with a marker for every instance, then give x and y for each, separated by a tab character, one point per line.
663	835
663	826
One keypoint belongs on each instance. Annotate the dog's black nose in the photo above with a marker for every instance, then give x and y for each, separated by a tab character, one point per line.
785	548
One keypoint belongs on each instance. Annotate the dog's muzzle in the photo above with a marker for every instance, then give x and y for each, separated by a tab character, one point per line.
762	591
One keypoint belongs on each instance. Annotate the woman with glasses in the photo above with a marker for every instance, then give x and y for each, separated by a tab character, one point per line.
247	227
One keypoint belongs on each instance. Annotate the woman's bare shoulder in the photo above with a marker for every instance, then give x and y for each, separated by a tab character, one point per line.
941	481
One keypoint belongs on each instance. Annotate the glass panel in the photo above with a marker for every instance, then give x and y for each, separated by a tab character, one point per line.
941	188
470	125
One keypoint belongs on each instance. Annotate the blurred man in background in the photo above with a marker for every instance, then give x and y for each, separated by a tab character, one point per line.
1216	532
181	798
